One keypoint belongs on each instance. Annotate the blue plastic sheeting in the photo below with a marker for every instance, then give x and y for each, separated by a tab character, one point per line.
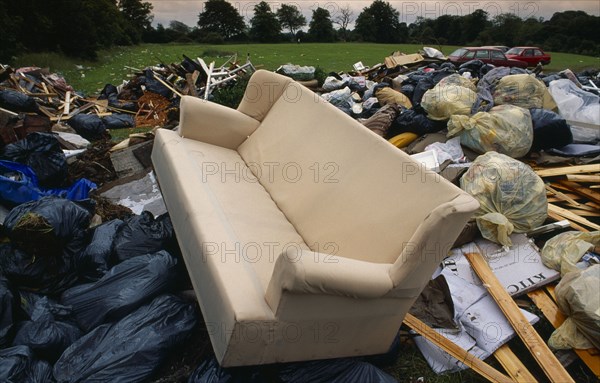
19	184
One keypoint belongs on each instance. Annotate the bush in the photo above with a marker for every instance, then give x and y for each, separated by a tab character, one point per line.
210	38
231	95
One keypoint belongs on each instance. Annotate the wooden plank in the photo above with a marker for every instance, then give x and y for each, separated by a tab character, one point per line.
11	113
590	357
67	108
582	191
586	212
478	365
561	195
157	77
583	178
536	345
548	307
571	223
571	216
553	172
191	79
513	365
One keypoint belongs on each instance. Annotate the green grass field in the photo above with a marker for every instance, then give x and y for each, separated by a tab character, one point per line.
113	65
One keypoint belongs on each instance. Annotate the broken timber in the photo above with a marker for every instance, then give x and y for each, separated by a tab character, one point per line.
536	345
456	351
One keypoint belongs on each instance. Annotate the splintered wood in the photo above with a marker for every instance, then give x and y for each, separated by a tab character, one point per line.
573	195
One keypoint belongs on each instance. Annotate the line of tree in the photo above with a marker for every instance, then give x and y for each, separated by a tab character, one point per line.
569	31
80	28
77	28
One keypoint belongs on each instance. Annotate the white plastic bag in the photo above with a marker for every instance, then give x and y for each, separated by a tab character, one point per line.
577	105
511	196
450	150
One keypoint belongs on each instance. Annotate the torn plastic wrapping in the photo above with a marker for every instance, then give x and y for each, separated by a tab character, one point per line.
505	129
129	350
511	196
563	251
124	288
577	297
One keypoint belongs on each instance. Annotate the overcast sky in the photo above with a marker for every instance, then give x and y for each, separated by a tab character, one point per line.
187	10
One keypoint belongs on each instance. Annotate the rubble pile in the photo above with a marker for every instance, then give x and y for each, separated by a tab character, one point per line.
84	274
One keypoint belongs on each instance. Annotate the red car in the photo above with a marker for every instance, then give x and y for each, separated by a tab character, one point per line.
531	55
492	56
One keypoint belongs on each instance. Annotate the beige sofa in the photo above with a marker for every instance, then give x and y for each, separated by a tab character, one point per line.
306	235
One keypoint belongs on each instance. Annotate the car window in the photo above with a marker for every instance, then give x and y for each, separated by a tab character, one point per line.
528	52
498	55
538	52
470	54
514	51
482	54
458	52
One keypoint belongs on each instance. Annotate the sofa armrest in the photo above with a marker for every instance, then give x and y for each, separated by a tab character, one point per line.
307	272
214	124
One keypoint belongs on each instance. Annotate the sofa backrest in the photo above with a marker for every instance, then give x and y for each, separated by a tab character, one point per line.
346	190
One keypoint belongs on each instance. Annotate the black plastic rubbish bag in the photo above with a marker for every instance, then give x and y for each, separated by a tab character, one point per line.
119	121
414	122
549	130
42	153
111	94
44	274
95	260
344	370
17	101
89	126
19	184
36	307
50	226
8	308
46	337
19	365
477	68
155	86
131	349
142	234
124	288
209	371
50	328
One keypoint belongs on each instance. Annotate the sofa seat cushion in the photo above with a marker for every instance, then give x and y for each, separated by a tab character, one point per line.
231	205
346	190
